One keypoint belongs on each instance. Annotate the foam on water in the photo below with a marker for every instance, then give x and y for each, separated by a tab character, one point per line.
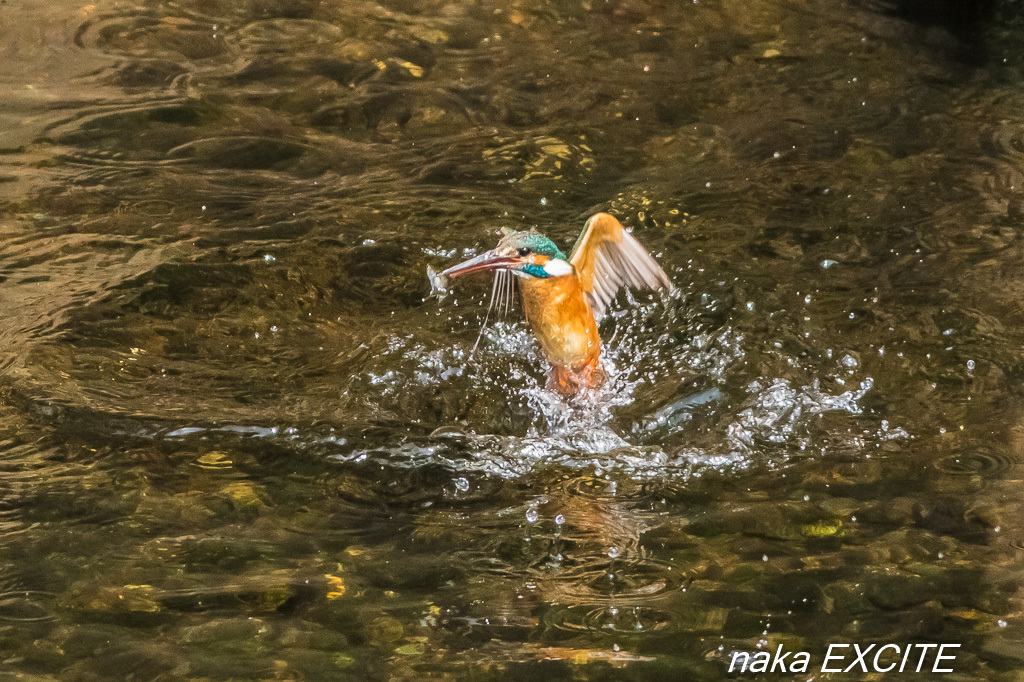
695	422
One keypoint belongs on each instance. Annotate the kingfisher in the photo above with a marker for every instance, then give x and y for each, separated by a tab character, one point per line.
564	298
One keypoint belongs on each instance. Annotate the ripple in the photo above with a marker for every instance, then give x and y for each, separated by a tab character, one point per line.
27	607
287	36
161	208
998	175
622	488
244	151
398	487
341	525
483	563
636	621
631	581
978	463
149	34
415	487
641	579
600	488
214	461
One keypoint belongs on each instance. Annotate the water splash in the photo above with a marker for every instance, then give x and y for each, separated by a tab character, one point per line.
667	409
666	412
777	411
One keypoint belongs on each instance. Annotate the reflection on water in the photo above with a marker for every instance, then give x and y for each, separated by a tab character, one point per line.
240	440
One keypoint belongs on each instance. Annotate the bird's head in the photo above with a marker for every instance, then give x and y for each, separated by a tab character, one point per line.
526	254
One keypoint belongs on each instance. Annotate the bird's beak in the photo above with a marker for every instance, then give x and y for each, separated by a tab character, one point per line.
485	261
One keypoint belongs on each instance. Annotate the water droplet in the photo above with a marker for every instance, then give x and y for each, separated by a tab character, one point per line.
543	201
970	364
613	552
1001	623
559	520
532	515
828	262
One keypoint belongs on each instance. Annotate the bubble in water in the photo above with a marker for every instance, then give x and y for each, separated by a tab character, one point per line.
613	552
462	484
559	520
532	515
970	364
827	263
1001	622
849	361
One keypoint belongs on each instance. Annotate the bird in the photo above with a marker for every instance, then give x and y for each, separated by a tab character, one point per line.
564	298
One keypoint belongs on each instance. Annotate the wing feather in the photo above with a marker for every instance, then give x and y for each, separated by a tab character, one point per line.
607	258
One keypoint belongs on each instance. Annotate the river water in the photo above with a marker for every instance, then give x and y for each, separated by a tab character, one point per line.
239	440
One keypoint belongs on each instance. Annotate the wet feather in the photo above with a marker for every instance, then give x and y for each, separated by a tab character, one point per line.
608	258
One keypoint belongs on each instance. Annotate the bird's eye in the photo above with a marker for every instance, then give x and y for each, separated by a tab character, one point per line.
525	251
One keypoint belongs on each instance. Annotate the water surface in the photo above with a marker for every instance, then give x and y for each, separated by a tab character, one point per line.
239	440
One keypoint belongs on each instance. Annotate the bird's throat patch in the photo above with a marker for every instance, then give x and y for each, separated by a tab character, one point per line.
556	267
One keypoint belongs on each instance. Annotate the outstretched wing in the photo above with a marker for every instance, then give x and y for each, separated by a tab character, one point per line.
607	258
